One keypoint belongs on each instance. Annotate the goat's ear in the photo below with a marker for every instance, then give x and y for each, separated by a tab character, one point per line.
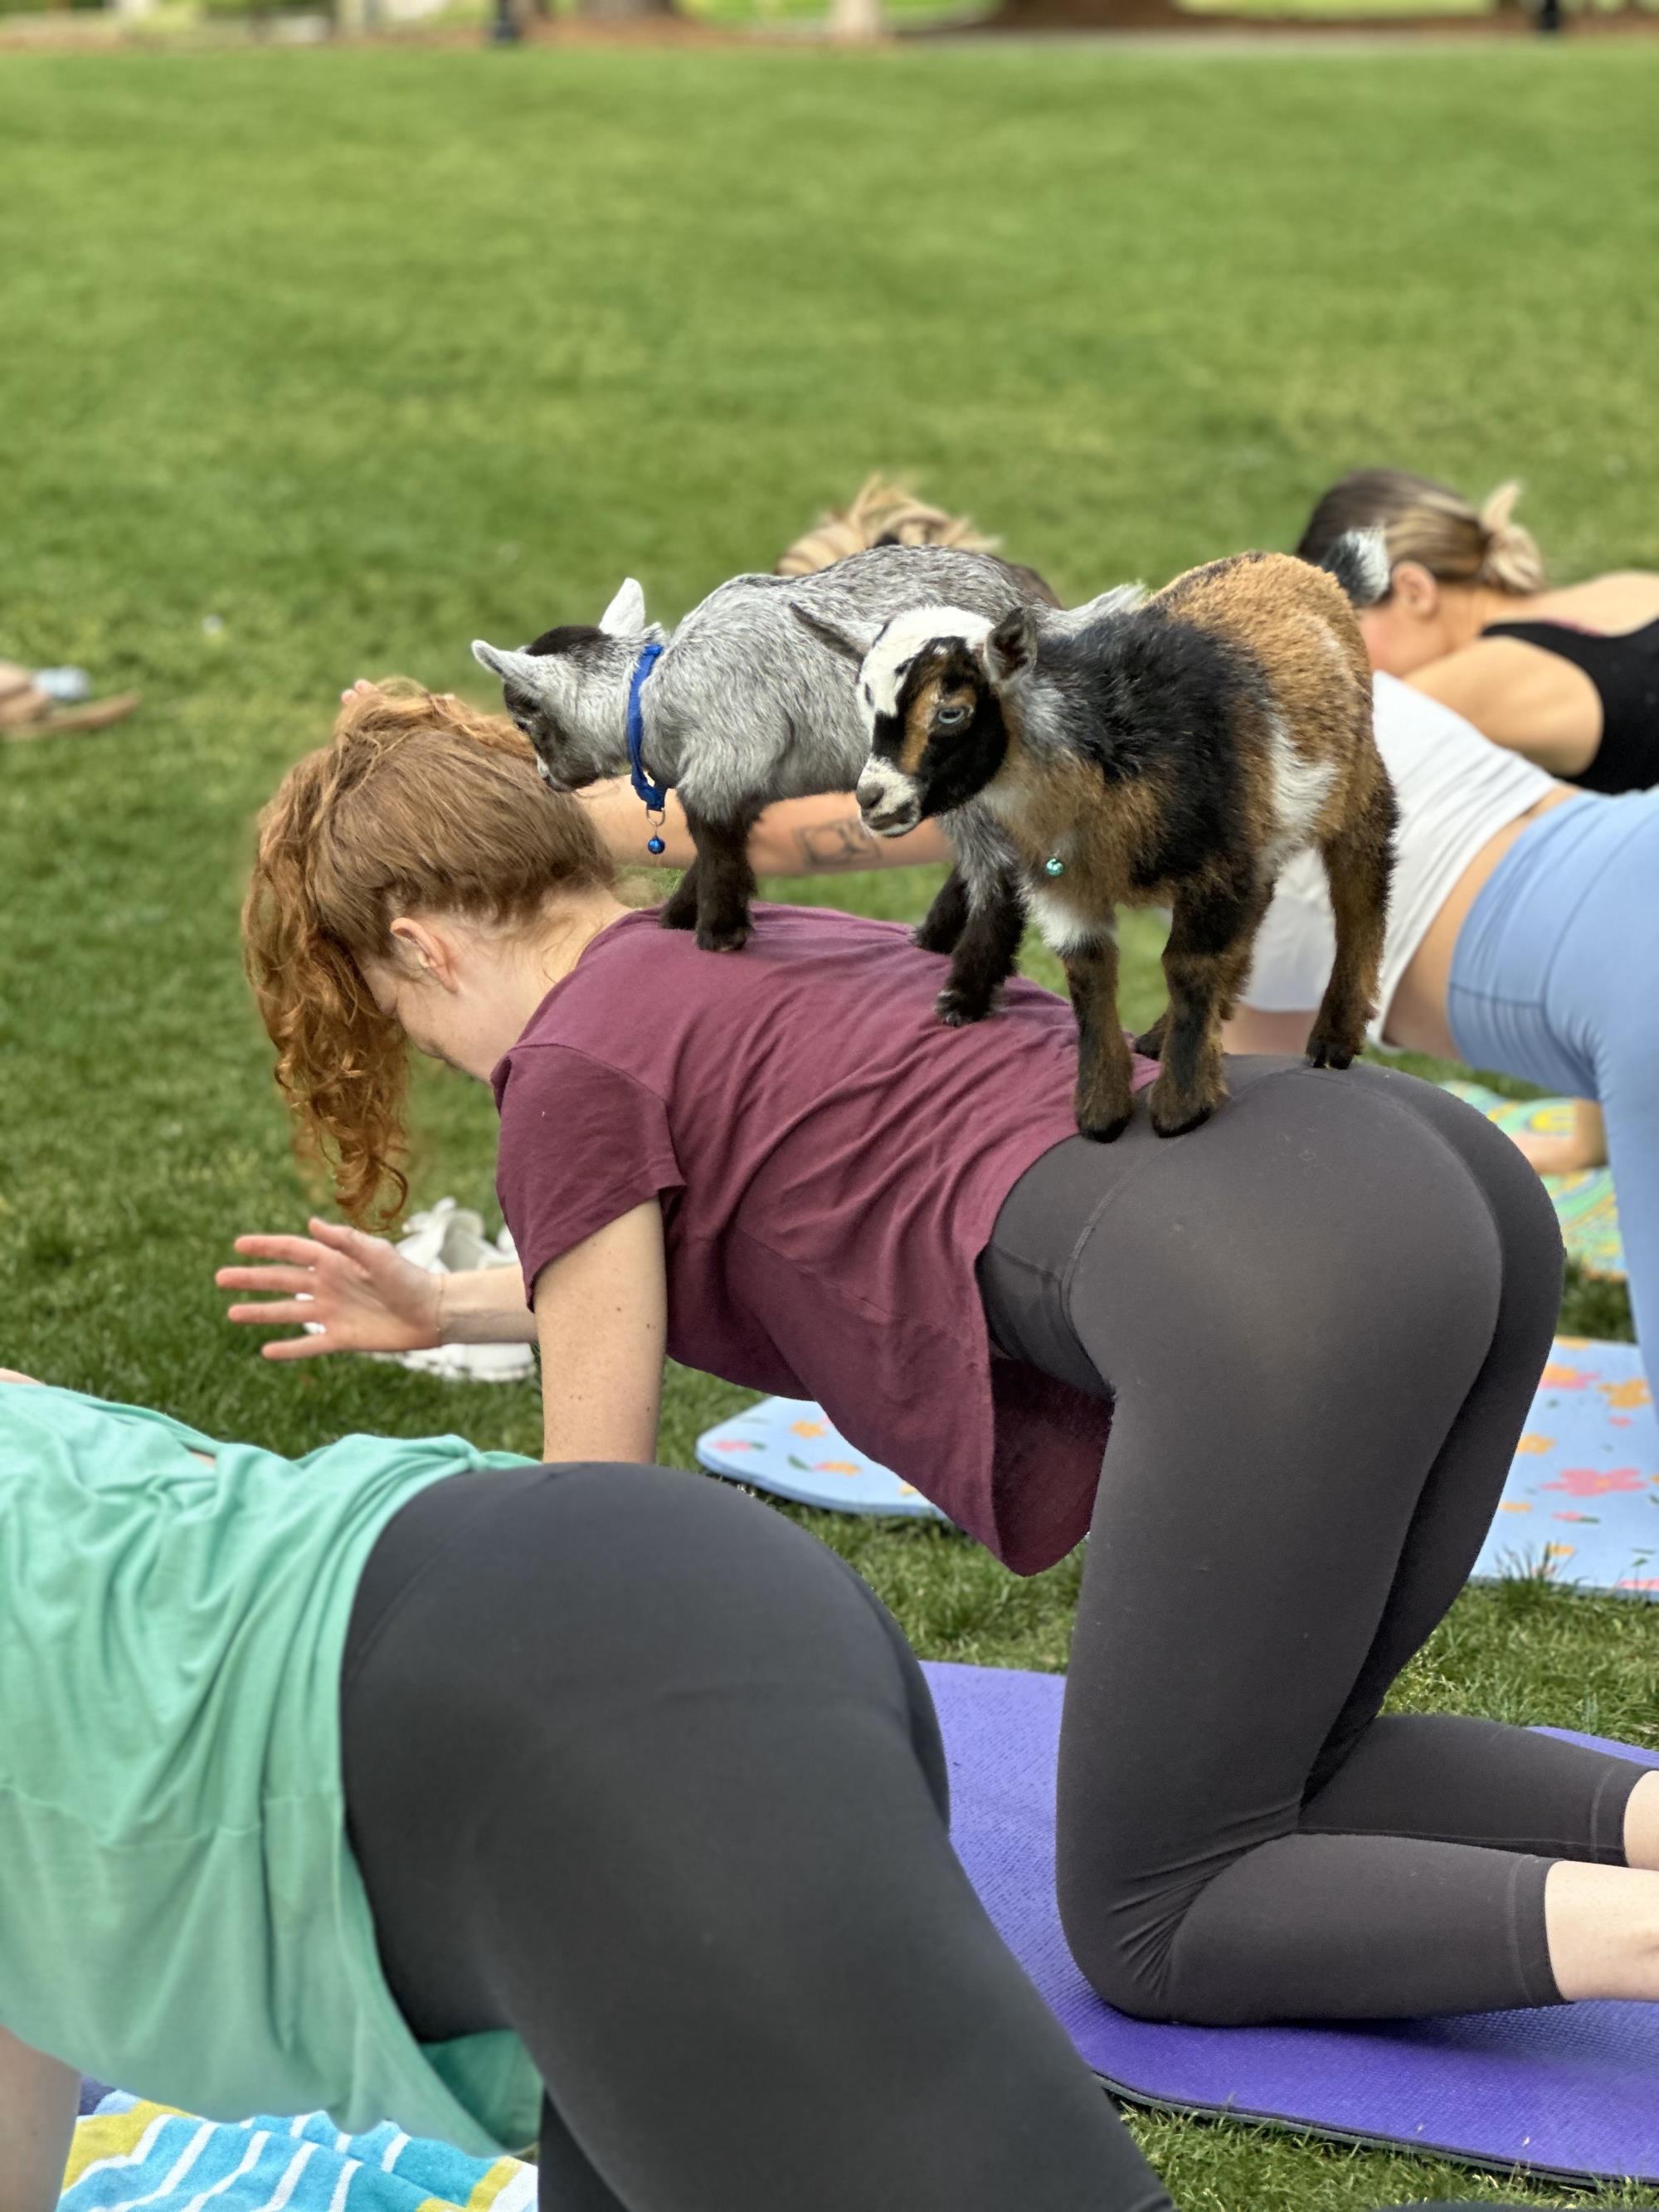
850	641
1010	649
511	667
1121	599
625	615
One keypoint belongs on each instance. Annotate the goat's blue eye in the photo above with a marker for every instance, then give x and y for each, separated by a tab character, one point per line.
951	718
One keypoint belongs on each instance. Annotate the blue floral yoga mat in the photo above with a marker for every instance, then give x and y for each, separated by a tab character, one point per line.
1581	1502
787	1446
1584	1202
128	2153
1580	1505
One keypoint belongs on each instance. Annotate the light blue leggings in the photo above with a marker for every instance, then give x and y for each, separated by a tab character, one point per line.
1556	979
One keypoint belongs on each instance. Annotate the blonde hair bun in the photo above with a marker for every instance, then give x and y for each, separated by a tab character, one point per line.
1511	561
1433	524
882	512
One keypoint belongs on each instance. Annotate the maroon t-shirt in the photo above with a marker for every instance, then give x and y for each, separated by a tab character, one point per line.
830	1159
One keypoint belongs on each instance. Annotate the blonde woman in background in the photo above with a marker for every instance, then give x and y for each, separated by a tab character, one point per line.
1569	677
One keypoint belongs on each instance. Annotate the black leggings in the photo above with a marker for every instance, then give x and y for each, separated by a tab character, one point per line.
1320	1319
637	1768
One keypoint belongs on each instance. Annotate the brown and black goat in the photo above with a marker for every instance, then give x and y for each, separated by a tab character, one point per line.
1171	751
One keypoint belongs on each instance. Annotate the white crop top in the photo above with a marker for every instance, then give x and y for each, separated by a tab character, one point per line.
1455	790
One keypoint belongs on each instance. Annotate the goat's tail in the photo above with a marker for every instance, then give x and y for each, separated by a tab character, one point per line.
1360	561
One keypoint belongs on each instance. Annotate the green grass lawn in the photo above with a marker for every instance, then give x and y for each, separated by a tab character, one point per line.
322	364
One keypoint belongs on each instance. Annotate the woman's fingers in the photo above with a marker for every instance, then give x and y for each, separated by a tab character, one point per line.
291	1279
296	1347
297	1251
272	1313
340	1237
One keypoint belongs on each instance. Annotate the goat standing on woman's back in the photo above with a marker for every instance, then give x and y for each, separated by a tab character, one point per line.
742	707
1171	751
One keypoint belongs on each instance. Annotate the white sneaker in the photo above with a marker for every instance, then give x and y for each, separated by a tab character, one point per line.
449	1240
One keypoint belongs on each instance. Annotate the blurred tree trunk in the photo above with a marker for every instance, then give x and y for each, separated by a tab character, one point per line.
624	11
853	20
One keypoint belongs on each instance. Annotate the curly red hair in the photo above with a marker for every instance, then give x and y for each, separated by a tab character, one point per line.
418	805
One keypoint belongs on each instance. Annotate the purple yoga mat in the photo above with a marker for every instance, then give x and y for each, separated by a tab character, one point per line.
1571	2091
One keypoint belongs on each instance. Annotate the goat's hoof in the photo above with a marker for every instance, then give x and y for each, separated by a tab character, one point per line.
1174	1115
1325	1051
956	1009
723	935
1102	1133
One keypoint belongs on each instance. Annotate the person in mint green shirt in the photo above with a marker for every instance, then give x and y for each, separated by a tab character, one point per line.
594	1802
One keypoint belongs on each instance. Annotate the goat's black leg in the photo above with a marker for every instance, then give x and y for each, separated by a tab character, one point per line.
1210	937
724	880
1360	865
1236	974
680	907
940	929
1104	1098
985	954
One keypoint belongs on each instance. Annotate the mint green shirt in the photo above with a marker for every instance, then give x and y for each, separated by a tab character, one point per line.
180	1913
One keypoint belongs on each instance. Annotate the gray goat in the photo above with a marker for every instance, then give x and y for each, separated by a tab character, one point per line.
748	702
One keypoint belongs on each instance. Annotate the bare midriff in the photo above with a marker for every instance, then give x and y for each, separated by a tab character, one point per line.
1417	1013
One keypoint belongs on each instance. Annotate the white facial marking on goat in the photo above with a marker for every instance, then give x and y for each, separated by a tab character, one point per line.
890	800
889	659
1301	788
1063	929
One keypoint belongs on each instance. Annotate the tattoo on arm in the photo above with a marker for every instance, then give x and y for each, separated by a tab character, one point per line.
841	842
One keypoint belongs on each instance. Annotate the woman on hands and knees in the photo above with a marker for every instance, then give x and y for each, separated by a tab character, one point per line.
583	1802
781	1167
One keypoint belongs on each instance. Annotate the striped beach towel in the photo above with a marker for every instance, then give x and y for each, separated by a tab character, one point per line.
129	2153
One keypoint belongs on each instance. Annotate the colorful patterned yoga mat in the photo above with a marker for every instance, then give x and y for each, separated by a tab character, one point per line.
790	1447
1581	1502
129	2153
1584	1202
1580	1505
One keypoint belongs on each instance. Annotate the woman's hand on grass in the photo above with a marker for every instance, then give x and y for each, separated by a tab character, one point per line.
353	1288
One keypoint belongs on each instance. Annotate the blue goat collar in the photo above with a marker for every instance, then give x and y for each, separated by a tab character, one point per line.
654	795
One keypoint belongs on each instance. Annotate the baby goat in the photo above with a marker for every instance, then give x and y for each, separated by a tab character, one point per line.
1173	751
745	706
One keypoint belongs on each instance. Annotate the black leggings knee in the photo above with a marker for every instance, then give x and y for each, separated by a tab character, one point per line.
637	1768
1320	1319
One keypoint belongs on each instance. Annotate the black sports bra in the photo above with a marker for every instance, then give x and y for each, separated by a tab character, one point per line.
1625	673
